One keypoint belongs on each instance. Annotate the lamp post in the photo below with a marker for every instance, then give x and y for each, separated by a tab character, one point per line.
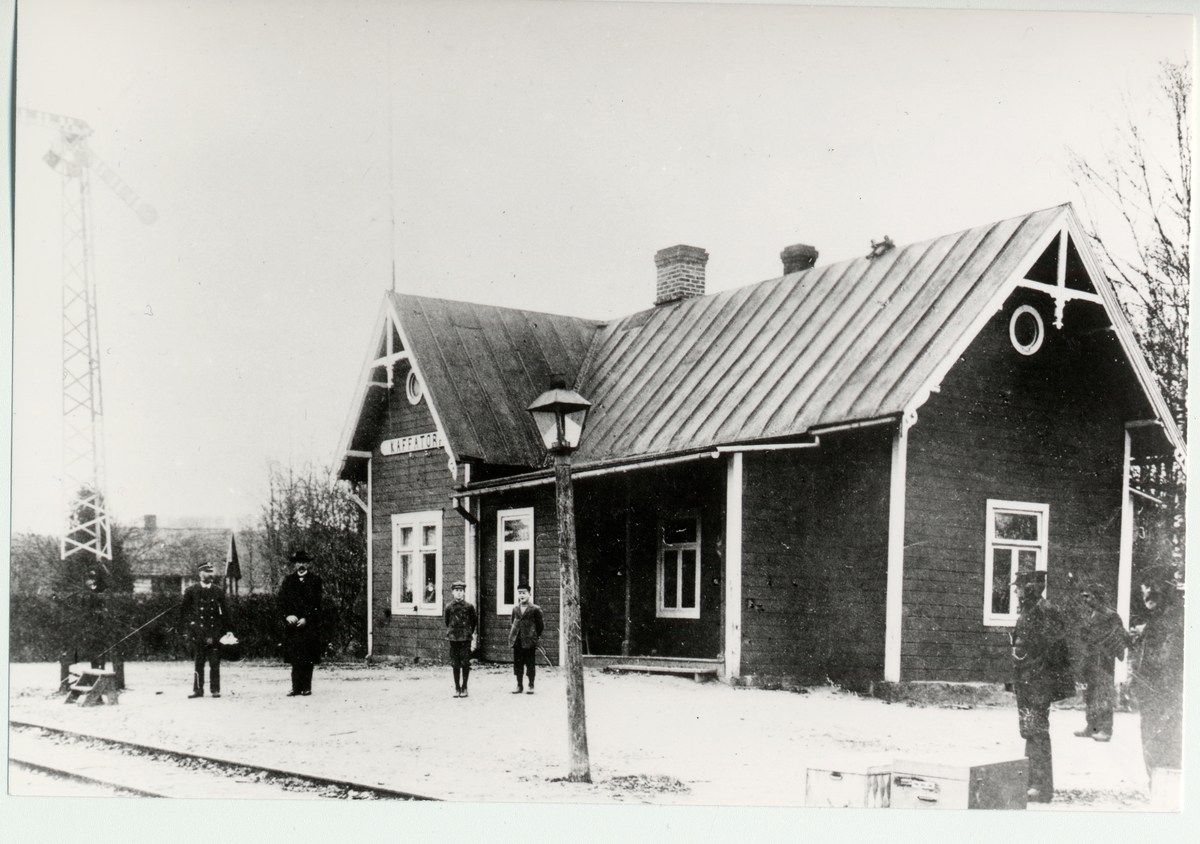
560	415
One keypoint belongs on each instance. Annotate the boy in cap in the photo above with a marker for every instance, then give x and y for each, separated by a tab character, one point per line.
461	621
527	626
206	618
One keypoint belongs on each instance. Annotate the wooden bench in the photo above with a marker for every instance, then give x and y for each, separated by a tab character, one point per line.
697	674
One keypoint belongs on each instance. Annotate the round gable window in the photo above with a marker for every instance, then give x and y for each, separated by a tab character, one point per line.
412	386
1025	330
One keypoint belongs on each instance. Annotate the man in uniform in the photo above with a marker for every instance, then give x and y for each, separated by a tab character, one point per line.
1104	640
206	618
527	626
461	621
1041	675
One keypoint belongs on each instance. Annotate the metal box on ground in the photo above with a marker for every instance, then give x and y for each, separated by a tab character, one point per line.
847	788
926	785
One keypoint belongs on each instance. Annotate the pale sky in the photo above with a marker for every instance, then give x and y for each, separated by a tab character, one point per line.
535	154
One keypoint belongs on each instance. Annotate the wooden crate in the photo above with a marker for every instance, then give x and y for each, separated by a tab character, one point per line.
926	785
847	788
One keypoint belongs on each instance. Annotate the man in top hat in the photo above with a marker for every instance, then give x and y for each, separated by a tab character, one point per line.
300	605
527	626
461	621
1104	640
1041	675
206	618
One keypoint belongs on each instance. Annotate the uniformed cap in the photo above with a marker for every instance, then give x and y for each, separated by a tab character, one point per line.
203	567
458	584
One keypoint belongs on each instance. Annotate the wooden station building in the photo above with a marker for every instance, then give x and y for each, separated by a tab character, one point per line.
834	474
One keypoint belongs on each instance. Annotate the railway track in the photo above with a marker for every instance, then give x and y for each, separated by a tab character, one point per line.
131	769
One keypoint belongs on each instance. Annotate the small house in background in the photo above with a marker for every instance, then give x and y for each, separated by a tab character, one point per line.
163	559
835	474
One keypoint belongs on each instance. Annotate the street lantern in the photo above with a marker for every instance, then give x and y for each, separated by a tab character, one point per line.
560	415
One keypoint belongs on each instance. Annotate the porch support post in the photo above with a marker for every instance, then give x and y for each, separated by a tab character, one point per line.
1125	564
371	563
628	633
733	568
895	562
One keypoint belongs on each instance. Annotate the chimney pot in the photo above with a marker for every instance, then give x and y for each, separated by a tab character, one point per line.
680	273
798	257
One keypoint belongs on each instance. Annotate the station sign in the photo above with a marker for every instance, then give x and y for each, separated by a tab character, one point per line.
405	445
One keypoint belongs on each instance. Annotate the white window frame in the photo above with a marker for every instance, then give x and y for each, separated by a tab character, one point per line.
524	545
677	611
992	544
417	521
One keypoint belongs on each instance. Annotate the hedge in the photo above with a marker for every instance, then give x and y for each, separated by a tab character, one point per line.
41	628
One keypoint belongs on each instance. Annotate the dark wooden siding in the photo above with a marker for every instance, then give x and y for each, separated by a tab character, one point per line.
1047	429
814	560
493	626
408	483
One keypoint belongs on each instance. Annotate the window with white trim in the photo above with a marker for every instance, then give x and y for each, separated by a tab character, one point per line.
679	567
1017	534
514	556
417	563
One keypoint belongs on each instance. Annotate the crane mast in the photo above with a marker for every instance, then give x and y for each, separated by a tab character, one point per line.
87	528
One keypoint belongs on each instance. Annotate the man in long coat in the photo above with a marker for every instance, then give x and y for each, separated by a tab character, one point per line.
206	618
299	604
1041	675
1104	641
1158	672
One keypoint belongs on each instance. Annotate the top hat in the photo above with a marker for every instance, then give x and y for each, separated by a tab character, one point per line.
301	557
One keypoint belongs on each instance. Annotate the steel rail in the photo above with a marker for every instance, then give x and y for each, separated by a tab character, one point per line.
275	773
63	773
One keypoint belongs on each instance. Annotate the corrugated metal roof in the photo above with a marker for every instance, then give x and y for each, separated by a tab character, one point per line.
482	367
849	341
852	341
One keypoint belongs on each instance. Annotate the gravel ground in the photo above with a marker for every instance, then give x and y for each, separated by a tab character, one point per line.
653	739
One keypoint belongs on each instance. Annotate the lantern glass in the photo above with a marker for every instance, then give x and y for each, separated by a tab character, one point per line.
559	416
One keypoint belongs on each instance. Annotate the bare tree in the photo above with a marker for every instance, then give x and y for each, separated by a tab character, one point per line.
309	509
1137	202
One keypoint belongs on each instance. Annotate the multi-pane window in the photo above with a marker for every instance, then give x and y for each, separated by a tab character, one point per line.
679	567
417	562
1016	542
514	564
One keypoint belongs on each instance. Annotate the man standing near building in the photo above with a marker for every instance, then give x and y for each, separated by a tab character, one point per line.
1041	675
1158	670
1104	640
299	603
527	626
206	619
461	621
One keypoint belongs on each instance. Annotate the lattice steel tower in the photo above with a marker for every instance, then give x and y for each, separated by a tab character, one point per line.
87	528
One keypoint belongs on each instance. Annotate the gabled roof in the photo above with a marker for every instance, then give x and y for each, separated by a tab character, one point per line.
860	340
482	366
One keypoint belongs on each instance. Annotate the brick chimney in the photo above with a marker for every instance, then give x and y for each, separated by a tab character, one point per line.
798	257
151	523
680	273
